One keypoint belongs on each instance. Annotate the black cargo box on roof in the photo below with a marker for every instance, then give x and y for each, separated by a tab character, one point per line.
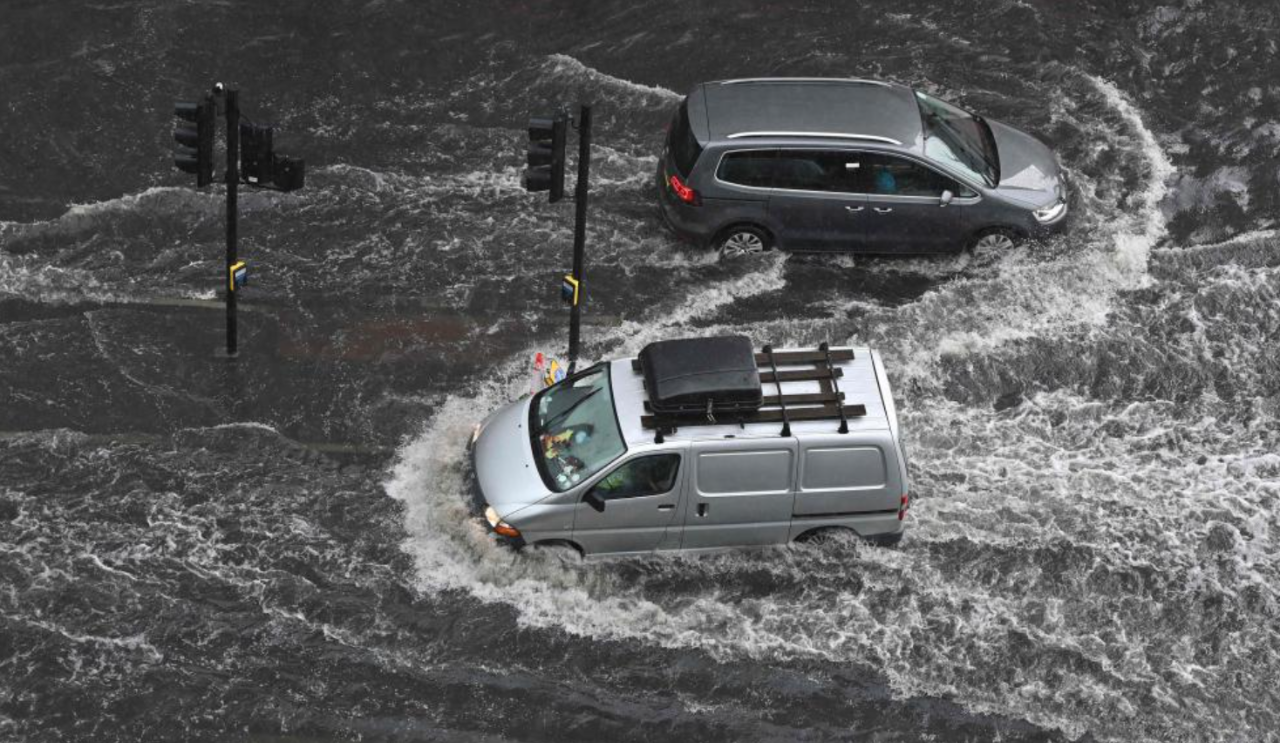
701	374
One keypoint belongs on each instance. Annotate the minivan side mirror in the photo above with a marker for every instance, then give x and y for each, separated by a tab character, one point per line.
594	500
946	198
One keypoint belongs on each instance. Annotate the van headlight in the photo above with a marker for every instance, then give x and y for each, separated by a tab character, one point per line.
498	525
1051	213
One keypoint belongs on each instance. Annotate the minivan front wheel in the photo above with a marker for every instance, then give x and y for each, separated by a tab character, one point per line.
994	241
743	239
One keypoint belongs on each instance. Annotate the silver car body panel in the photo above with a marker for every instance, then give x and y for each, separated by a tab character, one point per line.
737	485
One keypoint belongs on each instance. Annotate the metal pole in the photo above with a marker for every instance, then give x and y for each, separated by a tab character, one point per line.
233	179
580	227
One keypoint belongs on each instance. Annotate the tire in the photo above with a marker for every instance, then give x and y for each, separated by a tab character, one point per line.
884	540
560	548
995	240
825	534
741	240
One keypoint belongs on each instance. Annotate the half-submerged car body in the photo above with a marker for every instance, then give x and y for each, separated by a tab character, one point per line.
698	444
821	164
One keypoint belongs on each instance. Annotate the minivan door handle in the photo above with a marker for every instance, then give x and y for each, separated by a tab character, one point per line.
883	209
667	507
854	208
702	509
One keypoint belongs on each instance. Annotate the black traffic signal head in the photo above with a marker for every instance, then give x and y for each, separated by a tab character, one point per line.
194	136
256	157
261	166
545	158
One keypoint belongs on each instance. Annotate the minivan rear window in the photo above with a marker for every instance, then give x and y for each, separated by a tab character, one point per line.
748	168
681	142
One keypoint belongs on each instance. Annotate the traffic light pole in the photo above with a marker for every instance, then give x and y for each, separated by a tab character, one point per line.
233	178
580	226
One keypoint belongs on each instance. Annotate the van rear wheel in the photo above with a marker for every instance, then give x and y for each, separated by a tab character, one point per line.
743	239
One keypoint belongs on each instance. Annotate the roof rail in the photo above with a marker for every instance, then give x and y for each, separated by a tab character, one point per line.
816	135
854	80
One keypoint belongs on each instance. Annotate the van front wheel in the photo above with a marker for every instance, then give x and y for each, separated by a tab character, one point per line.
743	239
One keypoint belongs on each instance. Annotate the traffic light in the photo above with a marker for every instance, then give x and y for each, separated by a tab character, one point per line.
546	155
195	139
261	166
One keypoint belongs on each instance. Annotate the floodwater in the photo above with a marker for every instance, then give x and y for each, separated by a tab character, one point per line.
279	549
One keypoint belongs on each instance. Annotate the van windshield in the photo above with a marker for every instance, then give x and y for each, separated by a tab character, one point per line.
574	429
682	143
957	138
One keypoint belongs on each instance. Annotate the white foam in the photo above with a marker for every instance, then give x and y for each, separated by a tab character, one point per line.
563	64
1133	246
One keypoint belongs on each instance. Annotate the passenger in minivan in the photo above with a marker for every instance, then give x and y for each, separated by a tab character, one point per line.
885	182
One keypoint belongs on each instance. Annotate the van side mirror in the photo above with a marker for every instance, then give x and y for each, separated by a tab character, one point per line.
946	198
594	500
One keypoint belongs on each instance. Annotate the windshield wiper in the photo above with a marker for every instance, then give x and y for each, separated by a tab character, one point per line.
563	413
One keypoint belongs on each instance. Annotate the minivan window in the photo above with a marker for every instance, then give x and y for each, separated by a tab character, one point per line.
957	138
748	168
816	170
640	477
574	429
887	175
681	142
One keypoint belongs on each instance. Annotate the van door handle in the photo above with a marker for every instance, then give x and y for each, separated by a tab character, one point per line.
667	507
702	509
883	209
854	208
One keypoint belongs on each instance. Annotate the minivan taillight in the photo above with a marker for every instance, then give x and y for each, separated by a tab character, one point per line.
903	505
683	192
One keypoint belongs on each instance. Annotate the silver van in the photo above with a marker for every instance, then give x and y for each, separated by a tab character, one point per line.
819	164
698	444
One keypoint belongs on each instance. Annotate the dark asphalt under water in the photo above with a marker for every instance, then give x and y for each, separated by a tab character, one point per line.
278	549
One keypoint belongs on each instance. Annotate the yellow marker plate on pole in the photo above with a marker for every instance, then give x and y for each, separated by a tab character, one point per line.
237	275
569	290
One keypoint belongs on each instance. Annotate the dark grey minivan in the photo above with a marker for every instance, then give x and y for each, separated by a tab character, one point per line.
818	164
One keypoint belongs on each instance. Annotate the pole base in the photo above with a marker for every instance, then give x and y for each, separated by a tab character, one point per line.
221	353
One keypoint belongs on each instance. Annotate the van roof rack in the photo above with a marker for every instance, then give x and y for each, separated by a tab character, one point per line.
826	404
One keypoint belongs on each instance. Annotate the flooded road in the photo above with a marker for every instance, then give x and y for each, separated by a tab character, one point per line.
280	549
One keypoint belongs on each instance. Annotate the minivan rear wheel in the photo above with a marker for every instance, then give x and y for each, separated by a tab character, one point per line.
743	239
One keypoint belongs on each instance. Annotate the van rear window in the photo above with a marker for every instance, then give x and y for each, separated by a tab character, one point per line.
844	468
681	142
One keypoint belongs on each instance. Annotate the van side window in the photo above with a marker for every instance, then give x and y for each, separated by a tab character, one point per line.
642	476
887	175
748	168
817	170
839	468
739	472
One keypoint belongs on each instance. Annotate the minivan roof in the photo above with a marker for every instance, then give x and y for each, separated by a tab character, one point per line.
812	106
859	383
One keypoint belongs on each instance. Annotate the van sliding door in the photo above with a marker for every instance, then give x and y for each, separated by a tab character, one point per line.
741	493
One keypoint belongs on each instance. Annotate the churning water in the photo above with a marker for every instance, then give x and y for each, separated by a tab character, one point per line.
282	549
